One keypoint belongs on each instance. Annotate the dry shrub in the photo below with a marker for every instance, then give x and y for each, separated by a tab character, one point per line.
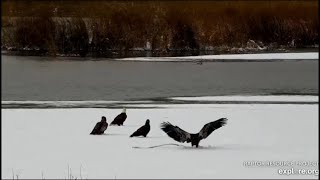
100	43
123	25
7	37
72	36
35	33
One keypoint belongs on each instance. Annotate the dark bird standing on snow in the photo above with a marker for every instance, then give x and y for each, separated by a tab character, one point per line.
143	130
182	136
100	126
119	120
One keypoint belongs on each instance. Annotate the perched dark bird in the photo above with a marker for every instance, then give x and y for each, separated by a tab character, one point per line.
100	126
182	136
119	120
143	130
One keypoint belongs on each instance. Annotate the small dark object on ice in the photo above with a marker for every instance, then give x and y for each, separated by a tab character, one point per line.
200	62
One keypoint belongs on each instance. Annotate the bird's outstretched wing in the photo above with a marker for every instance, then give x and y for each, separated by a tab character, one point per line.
175	132
210	127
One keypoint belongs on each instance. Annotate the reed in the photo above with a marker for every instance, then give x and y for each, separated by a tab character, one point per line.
123	25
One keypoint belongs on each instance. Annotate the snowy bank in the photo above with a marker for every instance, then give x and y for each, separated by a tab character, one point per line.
280	98
247	57
55	143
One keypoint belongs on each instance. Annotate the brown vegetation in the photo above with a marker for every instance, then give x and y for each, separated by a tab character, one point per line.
103	26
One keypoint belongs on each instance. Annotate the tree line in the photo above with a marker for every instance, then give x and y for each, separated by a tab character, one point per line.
102	27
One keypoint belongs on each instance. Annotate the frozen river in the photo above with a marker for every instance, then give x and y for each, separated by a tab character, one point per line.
65	79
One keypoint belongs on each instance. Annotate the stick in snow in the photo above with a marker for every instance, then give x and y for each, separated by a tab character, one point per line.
137	147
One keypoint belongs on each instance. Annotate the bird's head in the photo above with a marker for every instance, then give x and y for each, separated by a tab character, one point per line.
103	119
147	121
124	110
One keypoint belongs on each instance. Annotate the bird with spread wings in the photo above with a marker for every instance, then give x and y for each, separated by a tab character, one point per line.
180	135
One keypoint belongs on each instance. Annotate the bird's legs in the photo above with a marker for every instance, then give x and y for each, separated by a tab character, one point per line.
195	144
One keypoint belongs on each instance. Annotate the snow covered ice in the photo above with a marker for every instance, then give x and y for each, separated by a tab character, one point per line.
55	143
232	57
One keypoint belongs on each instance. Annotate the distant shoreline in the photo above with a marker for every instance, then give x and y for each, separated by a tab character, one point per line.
162	102
157	29
153	54
310	54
